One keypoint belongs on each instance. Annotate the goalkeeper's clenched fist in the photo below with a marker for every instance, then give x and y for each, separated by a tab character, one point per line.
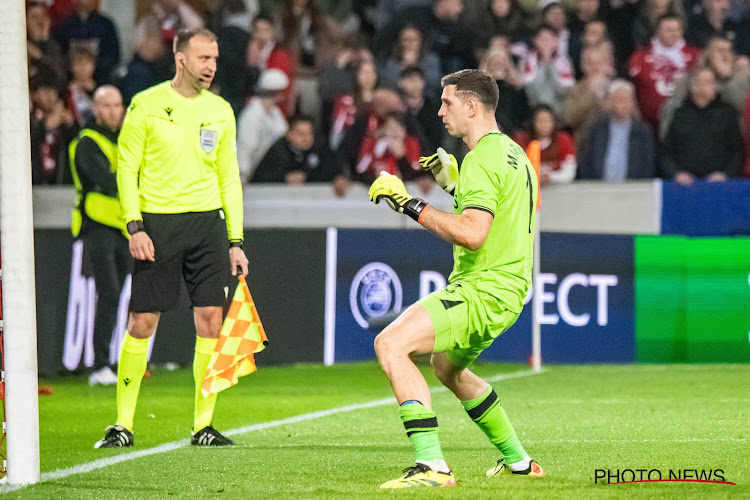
444	167
392	189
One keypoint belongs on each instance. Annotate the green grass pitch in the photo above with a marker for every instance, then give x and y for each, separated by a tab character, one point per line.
572	419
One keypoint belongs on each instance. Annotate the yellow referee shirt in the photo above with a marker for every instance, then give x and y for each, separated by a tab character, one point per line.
179	154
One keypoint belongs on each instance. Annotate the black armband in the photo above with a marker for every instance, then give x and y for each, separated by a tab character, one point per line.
135	226
236	243
413	208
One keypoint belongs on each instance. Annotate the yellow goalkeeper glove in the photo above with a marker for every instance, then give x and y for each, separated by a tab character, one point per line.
444	167
392	189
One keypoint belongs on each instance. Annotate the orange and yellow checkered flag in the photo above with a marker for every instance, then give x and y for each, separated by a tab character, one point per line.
242	335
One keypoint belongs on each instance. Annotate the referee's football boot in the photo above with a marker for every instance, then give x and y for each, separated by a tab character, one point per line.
208	436
117	436
534	470
421	475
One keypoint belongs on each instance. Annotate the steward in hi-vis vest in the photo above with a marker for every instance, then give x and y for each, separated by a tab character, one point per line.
98	220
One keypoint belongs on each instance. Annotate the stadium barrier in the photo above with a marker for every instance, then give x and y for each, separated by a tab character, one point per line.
623	297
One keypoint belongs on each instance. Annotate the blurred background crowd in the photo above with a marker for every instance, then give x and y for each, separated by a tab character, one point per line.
337	91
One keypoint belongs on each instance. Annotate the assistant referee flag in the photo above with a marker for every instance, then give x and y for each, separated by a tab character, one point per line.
242	335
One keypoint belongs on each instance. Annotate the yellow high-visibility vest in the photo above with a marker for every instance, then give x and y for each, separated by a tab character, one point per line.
97	206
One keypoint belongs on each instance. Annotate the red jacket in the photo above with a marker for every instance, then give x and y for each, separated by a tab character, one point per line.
654	77
375	158
282	60
553	153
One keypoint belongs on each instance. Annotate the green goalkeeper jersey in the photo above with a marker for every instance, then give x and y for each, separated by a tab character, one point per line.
178	154
497	177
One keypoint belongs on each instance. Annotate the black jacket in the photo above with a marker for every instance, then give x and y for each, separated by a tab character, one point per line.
701	141
282	159
92	165
641	153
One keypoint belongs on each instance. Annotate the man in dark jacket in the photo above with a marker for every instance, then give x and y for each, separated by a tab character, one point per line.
293	159
620	146
421	108
704	140
89	28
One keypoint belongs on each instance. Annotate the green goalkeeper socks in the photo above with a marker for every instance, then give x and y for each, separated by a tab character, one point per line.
130	371
422	428
487	412
204	407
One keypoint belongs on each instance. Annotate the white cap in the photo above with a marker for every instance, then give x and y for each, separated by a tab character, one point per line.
273	80
546	3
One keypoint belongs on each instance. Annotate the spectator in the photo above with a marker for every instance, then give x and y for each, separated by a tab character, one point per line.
52	128
513	109
504	18
422	108
408	51
554	16
619	16
594	34
732	80
704	140
294	159
645	23
447	36
313	40
391	150
558	153
746	122
712	21
264	52
388	10
547	72
151	63
620	145
80	98
365	126
232	22
43	52
340	78
347	106
172	16
242	68
654	70
585	11
261	123
237	13
91	29
586	100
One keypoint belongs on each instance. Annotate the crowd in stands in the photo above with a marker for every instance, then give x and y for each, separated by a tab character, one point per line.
612	89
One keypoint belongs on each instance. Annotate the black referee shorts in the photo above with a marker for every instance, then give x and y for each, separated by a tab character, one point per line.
193	246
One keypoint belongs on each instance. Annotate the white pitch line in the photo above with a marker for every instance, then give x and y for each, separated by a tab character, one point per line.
175	445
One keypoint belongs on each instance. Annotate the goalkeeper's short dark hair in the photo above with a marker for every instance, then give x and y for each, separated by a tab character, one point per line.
475	82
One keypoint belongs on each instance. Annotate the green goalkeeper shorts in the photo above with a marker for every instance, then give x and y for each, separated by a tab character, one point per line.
466	321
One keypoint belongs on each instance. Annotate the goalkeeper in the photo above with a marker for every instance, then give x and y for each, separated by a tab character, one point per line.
492	231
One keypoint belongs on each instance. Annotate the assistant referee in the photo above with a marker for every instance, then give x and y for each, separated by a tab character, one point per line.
181	196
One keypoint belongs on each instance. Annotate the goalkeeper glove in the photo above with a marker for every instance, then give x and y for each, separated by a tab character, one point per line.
391	188
444	167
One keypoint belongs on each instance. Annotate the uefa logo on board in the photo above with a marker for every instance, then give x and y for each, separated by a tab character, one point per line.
376	291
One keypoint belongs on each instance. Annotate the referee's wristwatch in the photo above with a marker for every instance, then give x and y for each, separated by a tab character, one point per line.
135	226
237	244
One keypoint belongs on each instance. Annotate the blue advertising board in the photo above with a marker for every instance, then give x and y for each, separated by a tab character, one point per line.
584	298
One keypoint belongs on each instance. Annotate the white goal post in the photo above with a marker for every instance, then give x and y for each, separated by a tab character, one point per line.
16	227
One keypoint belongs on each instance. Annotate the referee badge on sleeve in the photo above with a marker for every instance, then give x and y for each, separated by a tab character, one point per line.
208	139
